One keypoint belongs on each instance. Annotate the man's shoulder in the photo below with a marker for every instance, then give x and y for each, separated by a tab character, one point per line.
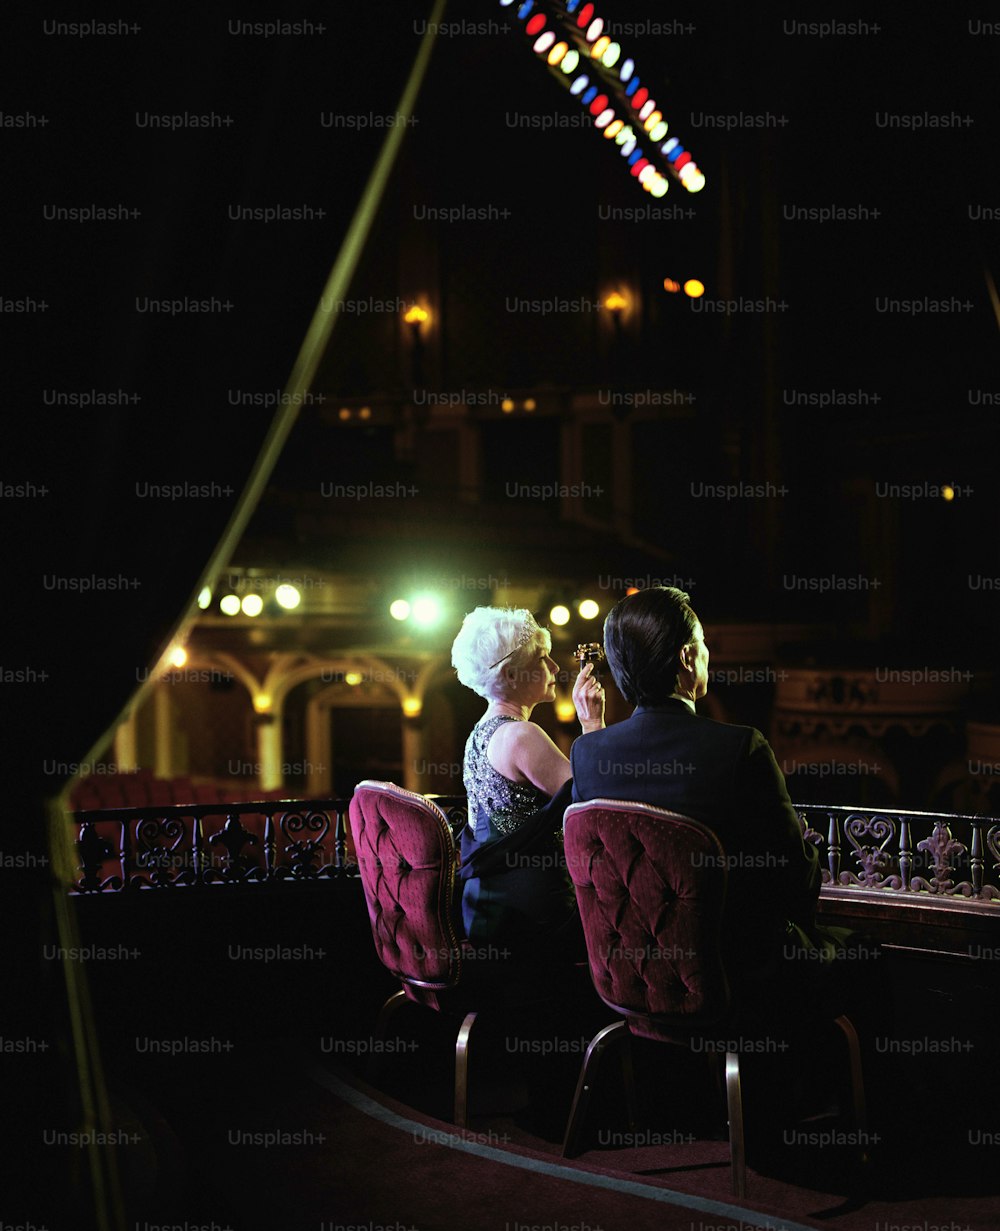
729	732
639	724
702	727
648	726
592	741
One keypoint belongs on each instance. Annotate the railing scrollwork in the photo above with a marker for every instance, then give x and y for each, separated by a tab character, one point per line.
901	852
888	851
187	845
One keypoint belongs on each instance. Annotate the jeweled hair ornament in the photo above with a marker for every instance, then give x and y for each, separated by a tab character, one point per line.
526	634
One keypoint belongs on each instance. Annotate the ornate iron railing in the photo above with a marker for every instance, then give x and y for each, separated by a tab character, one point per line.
889	851
184	845
896	852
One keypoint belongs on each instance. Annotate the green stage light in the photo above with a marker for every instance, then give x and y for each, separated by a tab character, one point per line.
426	610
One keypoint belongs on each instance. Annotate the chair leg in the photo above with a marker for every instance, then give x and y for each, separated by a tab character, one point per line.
737	1144
860	1104
462	1071
381	1027
628	1081
588	1074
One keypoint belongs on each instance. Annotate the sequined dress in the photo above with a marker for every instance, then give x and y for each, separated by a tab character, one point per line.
494	801
527	895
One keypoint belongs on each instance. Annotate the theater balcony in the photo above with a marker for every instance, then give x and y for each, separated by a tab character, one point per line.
228	947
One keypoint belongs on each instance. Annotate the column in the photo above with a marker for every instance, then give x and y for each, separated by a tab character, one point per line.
269	751
413	754
319	771
126	756
163	765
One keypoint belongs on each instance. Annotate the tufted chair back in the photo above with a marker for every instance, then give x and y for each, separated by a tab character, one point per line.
651	886
407	860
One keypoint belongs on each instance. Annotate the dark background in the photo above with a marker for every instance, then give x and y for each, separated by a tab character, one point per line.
463	151
77	652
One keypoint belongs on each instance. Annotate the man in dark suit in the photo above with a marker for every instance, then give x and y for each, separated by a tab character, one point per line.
779	962
722	775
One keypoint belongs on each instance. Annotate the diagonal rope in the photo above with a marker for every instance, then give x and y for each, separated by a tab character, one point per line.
105	1188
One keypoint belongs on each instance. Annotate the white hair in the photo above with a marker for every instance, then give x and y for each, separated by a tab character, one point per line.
491	640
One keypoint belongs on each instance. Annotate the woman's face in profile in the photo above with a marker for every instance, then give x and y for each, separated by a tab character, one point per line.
536	681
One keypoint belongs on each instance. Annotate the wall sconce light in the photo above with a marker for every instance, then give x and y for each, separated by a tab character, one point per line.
618	306
416	318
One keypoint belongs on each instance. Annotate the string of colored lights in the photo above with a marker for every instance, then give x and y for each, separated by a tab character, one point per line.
570	37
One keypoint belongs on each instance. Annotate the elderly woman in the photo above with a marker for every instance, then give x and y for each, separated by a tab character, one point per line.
517	781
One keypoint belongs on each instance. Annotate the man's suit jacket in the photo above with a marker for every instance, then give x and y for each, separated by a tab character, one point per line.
726	777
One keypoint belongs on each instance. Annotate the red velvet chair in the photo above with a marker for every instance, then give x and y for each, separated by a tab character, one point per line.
651	886
407	863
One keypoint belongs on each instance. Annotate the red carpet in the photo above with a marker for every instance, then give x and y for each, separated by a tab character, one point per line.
444	1178
301	1144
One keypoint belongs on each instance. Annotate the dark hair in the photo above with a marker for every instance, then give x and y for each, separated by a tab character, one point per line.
643	637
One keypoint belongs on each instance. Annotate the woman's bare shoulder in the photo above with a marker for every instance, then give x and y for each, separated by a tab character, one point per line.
518	734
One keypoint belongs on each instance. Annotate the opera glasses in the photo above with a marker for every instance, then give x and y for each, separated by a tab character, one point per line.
590	652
